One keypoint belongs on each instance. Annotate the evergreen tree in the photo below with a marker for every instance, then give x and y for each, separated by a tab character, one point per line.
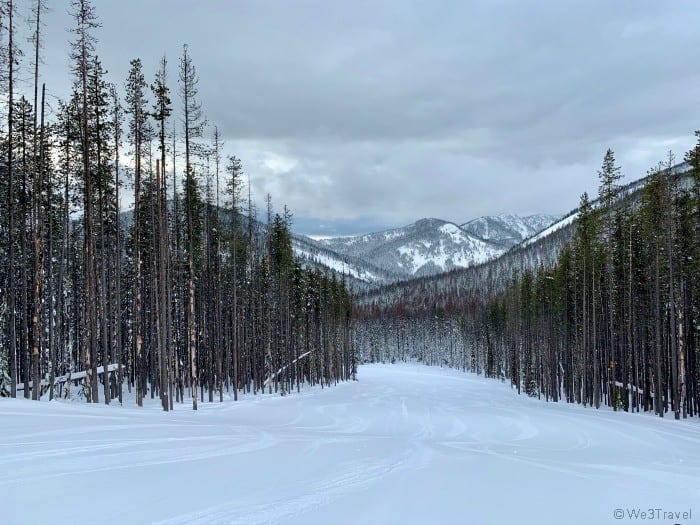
136	109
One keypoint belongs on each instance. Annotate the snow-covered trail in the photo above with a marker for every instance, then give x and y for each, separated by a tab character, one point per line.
405	444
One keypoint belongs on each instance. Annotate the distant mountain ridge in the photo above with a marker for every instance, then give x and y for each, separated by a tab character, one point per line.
426	247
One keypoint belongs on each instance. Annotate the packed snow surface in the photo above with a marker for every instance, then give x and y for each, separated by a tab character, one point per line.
405	444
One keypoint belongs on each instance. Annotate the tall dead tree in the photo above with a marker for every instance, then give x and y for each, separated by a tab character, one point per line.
8	11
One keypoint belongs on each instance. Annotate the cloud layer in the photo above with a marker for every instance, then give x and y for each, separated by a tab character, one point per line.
375	113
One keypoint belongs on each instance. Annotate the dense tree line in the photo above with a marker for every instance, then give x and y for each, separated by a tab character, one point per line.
186	295
611	320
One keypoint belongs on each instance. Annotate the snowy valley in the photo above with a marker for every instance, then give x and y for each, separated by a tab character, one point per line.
175	350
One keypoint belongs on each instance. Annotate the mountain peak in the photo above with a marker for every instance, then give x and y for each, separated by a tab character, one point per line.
429	221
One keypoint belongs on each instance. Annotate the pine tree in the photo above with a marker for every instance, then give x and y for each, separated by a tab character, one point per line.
117	118
609	175
161	111
136	109
233	189
82	51
192	127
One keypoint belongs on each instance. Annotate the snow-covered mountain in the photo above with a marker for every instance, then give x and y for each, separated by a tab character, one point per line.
508	230
355	270
426	247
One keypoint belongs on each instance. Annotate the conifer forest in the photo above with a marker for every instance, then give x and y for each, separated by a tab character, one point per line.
187	292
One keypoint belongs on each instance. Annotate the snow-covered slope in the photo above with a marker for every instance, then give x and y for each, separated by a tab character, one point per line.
432	246
508	230
356	271
405	444
426	247
438	246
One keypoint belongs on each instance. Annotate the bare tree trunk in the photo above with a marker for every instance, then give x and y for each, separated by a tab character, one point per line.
682	405
118	249
38	263
11	294
658	394
161	280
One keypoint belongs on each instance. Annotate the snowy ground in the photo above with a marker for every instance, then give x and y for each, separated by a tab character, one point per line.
406	444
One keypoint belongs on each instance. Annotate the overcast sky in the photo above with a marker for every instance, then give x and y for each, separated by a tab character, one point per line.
364	115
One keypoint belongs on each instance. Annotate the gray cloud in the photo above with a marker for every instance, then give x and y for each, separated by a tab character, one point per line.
381	112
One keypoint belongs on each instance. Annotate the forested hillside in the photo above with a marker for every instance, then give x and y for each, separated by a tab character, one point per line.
184	299
602	309
358	273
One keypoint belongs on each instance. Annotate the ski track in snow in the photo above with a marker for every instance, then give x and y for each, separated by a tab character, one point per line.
404	444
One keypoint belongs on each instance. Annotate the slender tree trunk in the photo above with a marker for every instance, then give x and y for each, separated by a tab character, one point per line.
11	294
682	405
658	394
38	263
